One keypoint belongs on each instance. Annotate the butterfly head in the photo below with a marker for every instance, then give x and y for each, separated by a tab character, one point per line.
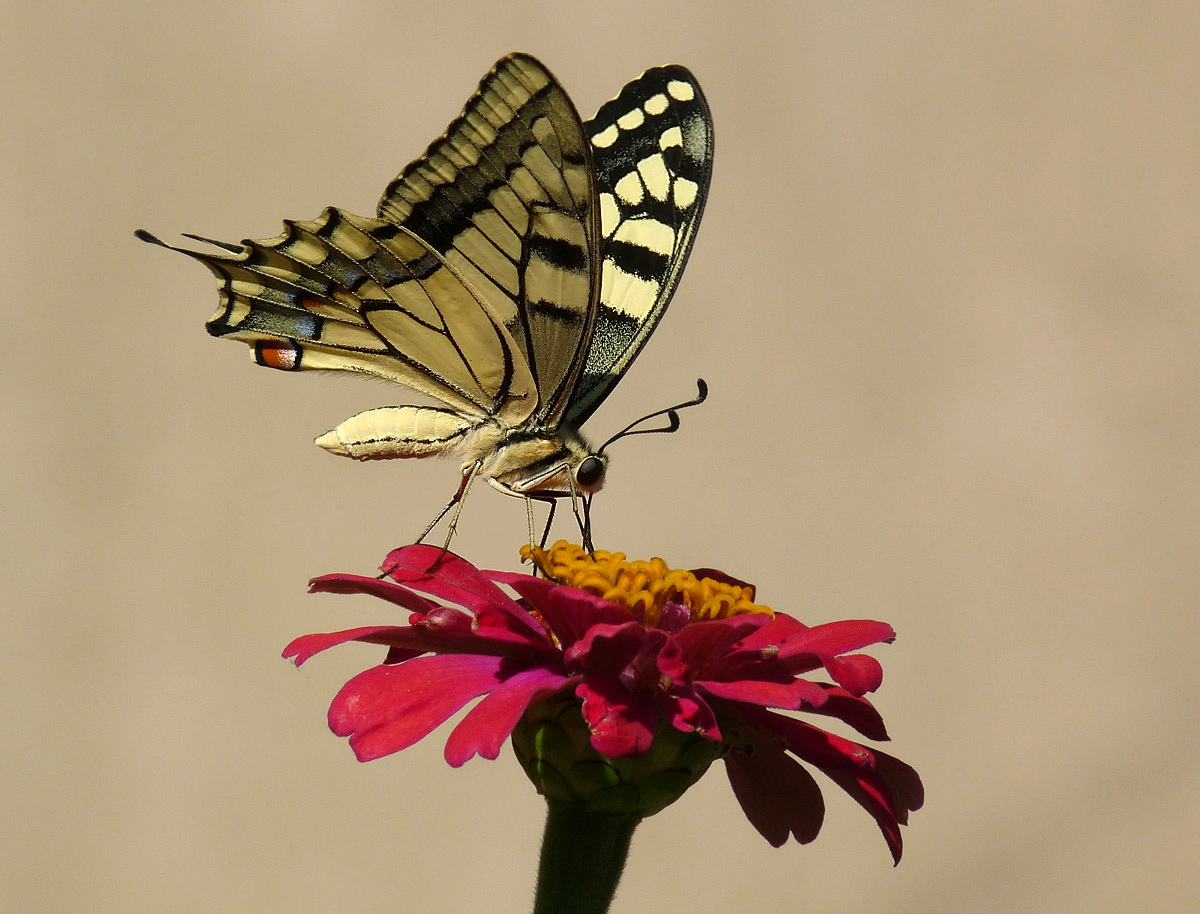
589	475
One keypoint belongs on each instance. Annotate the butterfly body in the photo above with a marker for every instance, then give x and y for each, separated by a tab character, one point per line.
512	274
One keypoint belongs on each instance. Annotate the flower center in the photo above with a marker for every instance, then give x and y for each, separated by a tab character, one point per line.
644	588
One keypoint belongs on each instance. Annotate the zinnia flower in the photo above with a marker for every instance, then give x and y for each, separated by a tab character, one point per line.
622	681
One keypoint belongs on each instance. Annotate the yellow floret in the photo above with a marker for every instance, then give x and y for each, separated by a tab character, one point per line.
640	586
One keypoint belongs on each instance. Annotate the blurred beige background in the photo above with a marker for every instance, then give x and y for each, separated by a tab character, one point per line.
947	297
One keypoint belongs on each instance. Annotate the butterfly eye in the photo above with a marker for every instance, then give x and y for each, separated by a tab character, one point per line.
590	473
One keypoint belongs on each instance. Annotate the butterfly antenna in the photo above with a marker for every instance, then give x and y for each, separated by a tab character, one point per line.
671	412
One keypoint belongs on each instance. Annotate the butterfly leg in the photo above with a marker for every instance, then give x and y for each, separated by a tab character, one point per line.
460	496
456	502
582	518
553	503
549	521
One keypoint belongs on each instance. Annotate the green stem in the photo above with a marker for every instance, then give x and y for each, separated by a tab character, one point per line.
583	855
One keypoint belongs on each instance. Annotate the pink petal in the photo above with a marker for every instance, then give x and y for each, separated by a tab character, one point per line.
777	795
568	612
491	722
606	648
856	673
572	613
832	639
388	708
375	587
449	577
776	631
622	723
307	646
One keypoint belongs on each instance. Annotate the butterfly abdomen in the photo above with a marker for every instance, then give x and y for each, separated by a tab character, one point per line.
408	431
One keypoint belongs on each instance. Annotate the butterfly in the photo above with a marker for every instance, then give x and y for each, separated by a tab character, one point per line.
512	273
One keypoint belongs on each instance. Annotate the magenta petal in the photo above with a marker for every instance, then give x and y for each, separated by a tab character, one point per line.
388	708
704	642
455	579
789	695
489	723
307	646
834	638
777	795
622	723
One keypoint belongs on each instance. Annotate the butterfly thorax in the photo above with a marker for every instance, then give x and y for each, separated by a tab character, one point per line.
549	463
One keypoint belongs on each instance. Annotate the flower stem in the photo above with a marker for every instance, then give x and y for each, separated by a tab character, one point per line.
583	856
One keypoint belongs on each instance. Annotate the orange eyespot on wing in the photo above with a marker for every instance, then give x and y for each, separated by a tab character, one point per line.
279	354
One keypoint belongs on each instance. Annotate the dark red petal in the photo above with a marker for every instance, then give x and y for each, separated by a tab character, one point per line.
777	795
572	613
488	724
789	695
307	646
388	708
903	781
722	577
853	710
812	744
852	767
868	789
375	587
622	723
704	642
688	712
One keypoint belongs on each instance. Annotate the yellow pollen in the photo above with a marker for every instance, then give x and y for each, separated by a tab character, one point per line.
642	587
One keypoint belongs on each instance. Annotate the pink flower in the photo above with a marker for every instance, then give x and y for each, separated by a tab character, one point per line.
645	651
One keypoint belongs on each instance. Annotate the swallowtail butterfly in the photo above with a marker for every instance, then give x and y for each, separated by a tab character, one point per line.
512	273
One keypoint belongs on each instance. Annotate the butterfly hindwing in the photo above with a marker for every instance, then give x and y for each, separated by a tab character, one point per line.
346	293
652	147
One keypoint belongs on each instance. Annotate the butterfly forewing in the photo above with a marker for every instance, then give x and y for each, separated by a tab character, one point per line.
508	196
653	150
